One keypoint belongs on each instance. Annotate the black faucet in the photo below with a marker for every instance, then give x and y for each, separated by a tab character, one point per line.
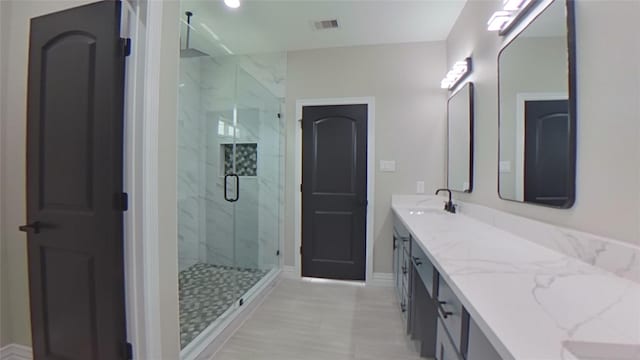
448	206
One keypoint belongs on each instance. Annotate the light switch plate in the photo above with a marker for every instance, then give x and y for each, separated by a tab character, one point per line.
387	165
419	187
505	166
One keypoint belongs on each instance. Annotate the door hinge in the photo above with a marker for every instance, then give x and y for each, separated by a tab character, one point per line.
122	201
128	351
278	253
300	187
300	250
301	123
126	46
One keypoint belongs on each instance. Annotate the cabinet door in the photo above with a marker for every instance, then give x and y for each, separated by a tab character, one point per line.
479	346
396	265
445	350
451	311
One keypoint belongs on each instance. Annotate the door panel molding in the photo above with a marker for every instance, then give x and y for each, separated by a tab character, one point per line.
370	102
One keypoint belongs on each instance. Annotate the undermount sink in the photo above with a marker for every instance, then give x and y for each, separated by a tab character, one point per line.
425	211
603	351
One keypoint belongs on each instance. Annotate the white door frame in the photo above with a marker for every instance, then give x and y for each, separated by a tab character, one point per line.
521	98
370	102
142	294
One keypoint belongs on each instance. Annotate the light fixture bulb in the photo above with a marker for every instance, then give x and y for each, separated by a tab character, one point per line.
234	4
498	20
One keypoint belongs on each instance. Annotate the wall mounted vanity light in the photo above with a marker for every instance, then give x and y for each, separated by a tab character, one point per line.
459	72
234	4
512	11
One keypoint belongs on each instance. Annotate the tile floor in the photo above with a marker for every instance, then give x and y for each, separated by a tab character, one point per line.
207	291
302	320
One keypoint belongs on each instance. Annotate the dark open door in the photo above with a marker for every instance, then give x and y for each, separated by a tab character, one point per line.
546	170
74	184
334	191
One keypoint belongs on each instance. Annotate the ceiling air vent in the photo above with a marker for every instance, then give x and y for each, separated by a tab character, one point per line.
326	24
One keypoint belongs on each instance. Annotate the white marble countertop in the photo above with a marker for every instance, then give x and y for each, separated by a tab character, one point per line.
531	302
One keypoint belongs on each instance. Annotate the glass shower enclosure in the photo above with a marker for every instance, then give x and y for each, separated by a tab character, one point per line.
230	143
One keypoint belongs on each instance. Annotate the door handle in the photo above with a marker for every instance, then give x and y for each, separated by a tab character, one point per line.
445	314
237	187
33	227
417	261
237	195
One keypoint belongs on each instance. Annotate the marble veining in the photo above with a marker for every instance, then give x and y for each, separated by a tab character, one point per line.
611	255
528	299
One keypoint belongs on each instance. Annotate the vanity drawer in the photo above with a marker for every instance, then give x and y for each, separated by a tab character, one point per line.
450	311
423	266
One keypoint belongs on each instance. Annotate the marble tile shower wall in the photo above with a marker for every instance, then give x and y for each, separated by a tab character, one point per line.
191	138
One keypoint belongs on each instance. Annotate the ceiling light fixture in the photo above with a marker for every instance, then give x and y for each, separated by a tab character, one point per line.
459	72
234	4
512	10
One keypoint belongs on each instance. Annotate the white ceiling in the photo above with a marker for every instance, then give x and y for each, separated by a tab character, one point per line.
268	26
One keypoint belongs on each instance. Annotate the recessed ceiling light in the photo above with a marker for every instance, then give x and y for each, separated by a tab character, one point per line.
234	4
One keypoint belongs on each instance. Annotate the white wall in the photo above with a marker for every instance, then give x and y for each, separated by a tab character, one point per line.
608	126
4	277
410	120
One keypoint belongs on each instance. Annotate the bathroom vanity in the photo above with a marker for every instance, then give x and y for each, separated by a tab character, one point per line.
434	315
469	290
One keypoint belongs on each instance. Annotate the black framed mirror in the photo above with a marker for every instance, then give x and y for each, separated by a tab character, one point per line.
537	110
460	140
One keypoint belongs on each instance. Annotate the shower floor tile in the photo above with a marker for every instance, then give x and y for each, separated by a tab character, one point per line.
207	291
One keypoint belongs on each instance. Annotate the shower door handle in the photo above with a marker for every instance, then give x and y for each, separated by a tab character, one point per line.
237	195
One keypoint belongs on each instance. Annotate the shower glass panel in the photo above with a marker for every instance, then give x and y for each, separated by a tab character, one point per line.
230	157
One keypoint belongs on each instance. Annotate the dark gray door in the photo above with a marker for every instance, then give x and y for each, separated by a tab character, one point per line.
334	191
547	152
74	184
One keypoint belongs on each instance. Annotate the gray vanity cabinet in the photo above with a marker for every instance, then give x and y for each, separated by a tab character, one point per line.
451	312
401	256
423	313
445	349
434	315
479	346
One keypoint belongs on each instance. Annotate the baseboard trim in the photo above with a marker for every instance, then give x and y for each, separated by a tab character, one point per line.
289	272
381	279
16	352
